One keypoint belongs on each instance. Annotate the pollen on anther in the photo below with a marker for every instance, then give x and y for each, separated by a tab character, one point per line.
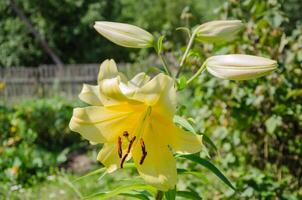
119	144
144	152
128	151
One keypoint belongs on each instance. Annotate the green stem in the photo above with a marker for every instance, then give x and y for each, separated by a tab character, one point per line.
200	70
183	59
159	195
163	61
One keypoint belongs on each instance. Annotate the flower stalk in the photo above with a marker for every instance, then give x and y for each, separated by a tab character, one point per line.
164	63
200	70
183	59
159	195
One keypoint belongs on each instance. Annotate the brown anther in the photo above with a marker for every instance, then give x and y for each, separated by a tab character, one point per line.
143	158
128	151
119	145
143	151
143	145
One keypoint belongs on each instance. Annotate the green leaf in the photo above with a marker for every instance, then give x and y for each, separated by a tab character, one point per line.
184	123
211	167
71	185
181	83
184	29
188	195
98	171
122	190
208	141
103	171
137	195
194	173
159	44
272	123
171	194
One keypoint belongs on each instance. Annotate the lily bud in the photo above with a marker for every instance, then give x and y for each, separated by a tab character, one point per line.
125	35
218	31
239	67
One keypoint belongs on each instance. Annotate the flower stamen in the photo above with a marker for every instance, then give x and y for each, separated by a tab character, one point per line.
128	151
119	144
143	150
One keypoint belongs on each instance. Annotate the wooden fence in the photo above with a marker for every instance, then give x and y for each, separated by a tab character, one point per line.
45	81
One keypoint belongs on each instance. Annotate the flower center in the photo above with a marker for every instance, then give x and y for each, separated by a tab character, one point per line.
138	134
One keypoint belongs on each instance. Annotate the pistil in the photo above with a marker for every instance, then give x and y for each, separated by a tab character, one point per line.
126	135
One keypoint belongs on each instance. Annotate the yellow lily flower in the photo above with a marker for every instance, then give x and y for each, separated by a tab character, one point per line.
134	119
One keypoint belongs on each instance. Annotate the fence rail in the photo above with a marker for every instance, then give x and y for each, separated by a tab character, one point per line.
44	81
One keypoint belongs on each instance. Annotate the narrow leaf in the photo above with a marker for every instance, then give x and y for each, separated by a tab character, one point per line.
194	173
103	171
185	29
98	171
188	195
136	195
159	45
208	141
211	167
171	194
121	190
72	186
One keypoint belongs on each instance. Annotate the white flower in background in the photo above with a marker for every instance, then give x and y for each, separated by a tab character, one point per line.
125	35
239	67
218	31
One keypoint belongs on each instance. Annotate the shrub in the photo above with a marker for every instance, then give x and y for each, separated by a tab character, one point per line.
35	139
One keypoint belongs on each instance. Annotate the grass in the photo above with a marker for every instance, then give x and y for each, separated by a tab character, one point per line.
64	186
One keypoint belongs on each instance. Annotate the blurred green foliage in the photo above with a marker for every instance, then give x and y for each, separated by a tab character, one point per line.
67	26
35	140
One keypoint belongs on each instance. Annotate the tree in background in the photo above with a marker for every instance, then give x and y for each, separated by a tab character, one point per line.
67	27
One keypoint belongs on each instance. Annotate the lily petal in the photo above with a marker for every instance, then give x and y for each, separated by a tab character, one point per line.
111	93
179	140
158	93
109	81
159	166
108	156
103	124
108	70
130	87
184	142
140	79
91	94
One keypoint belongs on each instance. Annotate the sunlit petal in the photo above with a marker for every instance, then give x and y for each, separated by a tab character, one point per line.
179	140
159	93
103	124
128	88
159	167
111	93
108	156
108	70
91	94
140	79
